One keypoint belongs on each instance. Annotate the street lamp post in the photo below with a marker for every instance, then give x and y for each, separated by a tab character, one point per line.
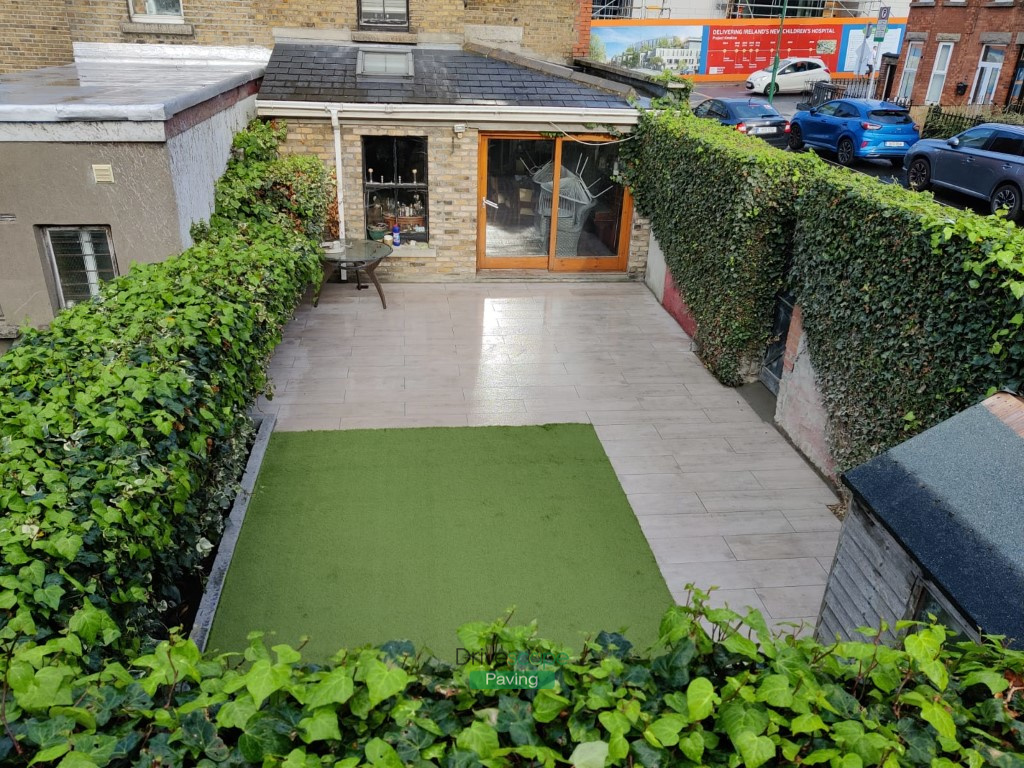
778	47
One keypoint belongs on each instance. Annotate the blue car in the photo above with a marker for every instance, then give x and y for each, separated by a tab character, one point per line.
856	128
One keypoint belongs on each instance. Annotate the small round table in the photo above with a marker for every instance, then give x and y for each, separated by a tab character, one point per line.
356	255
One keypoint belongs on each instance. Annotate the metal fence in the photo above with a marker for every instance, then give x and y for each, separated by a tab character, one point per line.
857	88
943	122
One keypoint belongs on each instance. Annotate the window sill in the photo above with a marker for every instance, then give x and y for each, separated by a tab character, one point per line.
1000	4
410	251
157	28
923	4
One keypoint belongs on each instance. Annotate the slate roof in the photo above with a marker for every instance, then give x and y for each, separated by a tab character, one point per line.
954	496
320	72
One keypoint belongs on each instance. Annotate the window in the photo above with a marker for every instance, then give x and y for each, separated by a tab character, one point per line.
395	185
846	110
165	11
976	138
828	109
384	62
81	259
1007	143
386	14
938	78
987	76
909	71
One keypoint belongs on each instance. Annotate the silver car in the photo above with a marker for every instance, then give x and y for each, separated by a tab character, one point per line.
986	161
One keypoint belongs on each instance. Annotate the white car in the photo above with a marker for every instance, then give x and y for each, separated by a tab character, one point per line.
793	76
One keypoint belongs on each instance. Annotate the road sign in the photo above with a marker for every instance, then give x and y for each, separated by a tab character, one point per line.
883	23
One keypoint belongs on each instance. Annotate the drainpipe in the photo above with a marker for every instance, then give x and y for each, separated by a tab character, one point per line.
337	171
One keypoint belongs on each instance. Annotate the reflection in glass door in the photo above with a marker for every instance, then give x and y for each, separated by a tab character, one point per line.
516	235
551	204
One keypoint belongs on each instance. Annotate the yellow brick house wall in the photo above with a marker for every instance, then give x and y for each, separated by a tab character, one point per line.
33	34
451	189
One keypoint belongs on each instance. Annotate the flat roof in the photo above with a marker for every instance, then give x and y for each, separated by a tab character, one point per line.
143	89
954	497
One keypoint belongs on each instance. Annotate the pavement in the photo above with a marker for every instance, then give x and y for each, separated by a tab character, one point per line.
722	497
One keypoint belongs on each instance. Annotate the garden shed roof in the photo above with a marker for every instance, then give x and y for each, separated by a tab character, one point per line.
442	75
954	497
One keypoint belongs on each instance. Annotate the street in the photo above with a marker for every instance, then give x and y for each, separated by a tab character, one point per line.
786	104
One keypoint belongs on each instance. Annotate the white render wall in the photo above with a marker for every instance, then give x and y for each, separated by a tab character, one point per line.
198	157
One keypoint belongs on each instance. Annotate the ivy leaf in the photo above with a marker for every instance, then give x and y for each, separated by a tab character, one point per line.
77	760
939	718
547	705
50	753
775	690
336	688
692	745
755	750
263	679
615	722
701	698
820	756
808	723
382	755
480	738
741	645
591	754
322	726
236	713
664	732
383	681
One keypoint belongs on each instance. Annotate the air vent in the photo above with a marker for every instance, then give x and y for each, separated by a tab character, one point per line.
6	217
103	174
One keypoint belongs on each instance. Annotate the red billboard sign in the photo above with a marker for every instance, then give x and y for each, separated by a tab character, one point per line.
742	49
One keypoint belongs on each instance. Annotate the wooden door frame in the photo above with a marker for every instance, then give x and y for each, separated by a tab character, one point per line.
550	262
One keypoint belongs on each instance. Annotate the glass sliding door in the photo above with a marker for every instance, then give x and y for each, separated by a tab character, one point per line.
551	204
514	231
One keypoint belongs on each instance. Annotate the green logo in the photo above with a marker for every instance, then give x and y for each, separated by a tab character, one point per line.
507	679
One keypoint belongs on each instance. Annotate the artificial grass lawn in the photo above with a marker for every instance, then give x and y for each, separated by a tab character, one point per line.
365	536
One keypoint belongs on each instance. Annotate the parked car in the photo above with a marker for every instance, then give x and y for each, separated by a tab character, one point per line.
985	161
856	128
749	116
792	76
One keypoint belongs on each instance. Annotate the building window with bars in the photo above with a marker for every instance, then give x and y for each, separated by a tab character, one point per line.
395	185
161	11
81	259
384	14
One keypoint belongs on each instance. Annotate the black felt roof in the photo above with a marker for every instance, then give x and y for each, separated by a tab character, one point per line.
318	72
954	496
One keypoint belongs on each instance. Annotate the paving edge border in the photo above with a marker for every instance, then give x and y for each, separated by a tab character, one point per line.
200	633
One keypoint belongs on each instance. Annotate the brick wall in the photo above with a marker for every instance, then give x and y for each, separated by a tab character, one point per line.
207	22
33	34
36	33
453	198
969	27
584	12
452	190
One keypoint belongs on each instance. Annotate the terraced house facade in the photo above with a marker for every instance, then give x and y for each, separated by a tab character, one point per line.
459	122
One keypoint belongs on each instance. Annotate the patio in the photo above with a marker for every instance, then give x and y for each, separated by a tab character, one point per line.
723	499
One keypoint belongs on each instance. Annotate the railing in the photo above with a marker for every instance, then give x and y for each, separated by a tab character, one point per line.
943	122
857	88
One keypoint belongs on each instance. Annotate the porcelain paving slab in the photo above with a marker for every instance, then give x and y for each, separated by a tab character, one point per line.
722	497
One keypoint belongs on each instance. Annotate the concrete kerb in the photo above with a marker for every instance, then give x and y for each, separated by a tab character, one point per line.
218	573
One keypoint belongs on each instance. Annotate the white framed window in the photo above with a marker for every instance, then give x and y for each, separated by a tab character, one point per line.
81	259
987	77
384	62
910	70
157	11
390	14
938	79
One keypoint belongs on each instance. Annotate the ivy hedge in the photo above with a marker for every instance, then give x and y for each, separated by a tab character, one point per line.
722	207
912	310
123	427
